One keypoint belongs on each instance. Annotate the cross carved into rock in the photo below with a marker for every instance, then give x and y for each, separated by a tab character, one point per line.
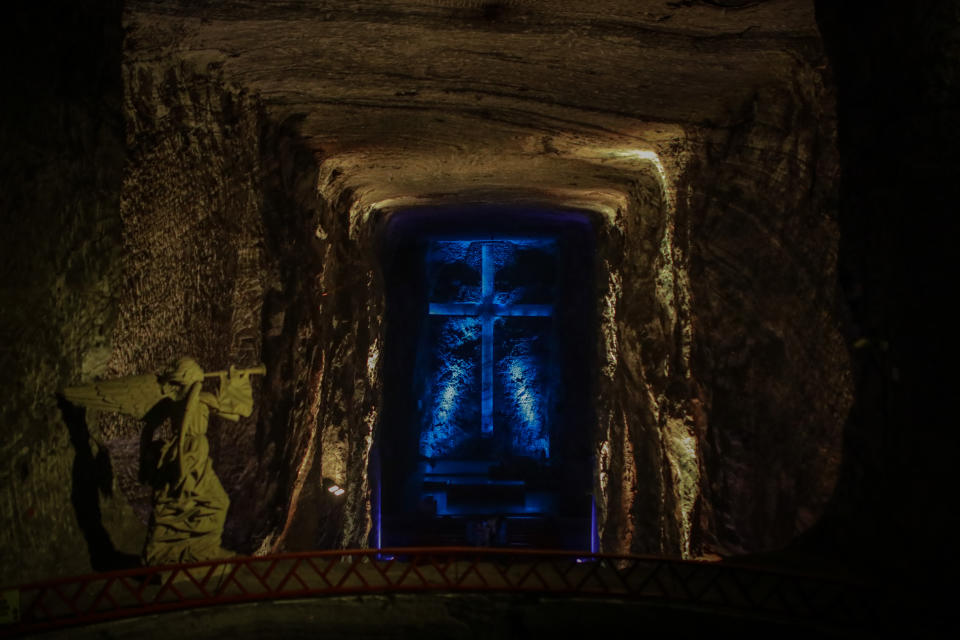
488	311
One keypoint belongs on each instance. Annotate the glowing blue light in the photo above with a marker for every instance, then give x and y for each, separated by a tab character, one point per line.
449	384
470	263
530	438
379	517
521	391
594	534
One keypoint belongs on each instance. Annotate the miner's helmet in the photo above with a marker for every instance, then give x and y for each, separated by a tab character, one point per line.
185	372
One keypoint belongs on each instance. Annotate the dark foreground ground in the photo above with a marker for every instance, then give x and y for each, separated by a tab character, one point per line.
455	616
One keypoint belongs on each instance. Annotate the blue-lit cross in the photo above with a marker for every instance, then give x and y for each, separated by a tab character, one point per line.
488	311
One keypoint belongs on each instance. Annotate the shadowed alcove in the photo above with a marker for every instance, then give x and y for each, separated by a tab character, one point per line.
489	368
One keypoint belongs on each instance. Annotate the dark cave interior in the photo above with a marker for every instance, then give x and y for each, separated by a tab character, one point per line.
153	204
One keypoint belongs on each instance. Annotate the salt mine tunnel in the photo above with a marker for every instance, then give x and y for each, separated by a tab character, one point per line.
625	276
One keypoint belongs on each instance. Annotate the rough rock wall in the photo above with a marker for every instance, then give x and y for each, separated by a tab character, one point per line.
354	394
286	436
195	240
347	307
200	231
61	162
219	210
771	369
647	459
194	263
725	379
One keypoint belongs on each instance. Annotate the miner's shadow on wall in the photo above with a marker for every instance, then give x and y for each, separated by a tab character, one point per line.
92	477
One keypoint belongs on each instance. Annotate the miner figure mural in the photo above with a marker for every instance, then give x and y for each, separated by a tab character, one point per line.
189	503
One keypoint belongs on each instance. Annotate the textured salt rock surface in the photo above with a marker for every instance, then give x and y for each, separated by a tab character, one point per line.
265	146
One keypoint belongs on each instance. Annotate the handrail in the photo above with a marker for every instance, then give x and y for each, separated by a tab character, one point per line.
741	589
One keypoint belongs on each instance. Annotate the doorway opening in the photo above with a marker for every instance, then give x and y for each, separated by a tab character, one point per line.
485	434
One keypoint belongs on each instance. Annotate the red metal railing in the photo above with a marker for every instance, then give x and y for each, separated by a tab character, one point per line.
120	594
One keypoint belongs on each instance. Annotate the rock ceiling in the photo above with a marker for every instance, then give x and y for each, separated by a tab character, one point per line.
413	99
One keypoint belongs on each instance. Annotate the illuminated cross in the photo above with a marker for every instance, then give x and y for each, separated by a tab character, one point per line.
487	310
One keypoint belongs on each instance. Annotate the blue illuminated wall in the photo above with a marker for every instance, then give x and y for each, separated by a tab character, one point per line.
491	377
489	353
